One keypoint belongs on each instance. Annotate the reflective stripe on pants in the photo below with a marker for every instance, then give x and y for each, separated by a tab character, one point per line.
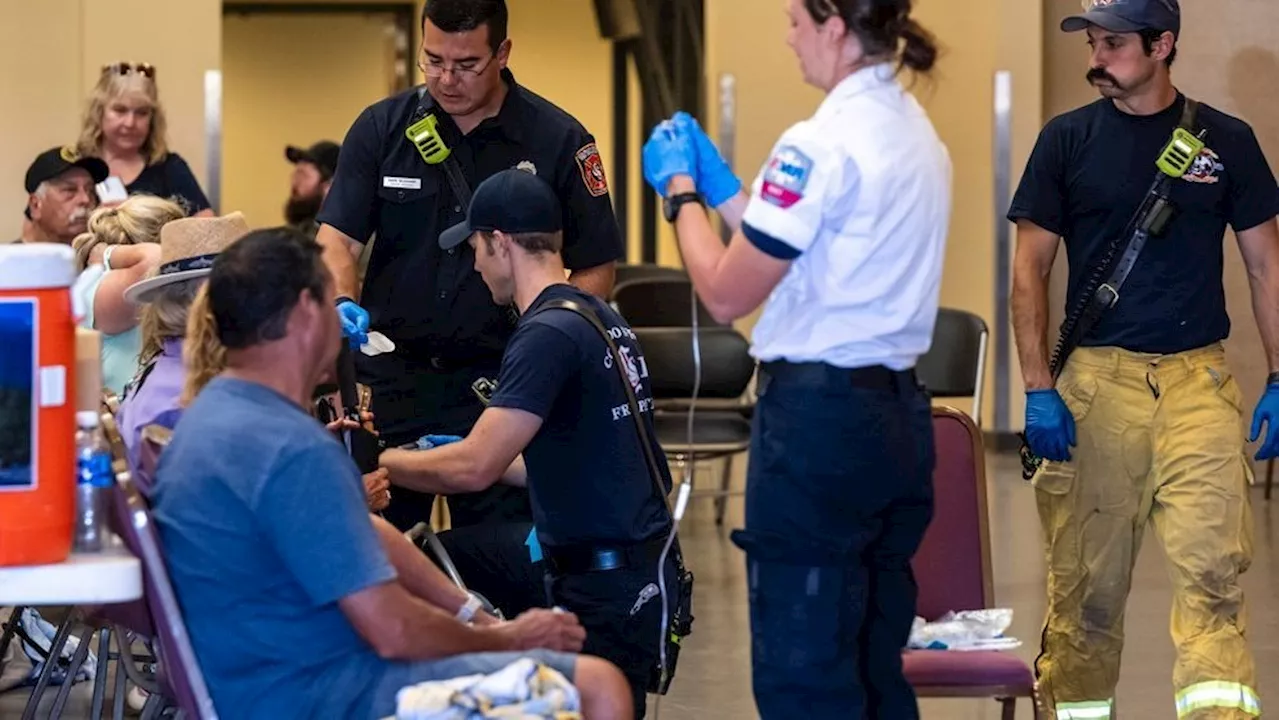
1159	442
1218	694
1089	710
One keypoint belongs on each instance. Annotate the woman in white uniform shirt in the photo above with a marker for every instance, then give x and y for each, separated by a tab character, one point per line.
844	233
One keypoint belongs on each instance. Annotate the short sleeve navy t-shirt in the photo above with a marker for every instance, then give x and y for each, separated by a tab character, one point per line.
1089	172
172	179
588	479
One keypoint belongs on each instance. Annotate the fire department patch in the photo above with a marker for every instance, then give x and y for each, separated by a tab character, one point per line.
1205	168
592	169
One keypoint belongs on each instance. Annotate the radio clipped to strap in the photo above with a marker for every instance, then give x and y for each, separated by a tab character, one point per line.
425	135
1151	219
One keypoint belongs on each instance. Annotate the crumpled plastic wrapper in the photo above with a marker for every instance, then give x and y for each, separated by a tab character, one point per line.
964	630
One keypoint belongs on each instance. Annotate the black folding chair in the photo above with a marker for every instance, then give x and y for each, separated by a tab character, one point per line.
660	302
956	363
627	273
720	427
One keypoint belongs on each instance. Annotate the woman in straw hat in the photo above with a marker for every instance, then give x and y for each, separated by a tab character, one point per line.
187	249
180	348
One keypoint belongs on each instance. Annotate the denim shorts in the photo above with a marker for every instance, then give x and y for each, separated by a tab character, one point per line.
403	674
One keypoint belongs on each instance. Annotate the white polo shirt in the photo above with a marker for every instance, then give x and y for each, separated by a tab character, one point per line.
859	196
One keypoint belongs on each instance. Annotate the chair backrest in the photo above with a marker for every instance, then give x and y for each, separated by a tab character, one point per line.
179	671
154	439
727	366
953	565
626	273
660	302
955	364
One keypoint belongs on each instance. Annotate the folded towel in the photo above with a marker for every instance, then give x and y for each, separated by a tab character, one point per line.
523	690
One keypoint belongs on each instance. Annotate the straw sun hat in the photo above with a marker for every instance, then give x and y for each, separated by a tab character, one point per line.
187	249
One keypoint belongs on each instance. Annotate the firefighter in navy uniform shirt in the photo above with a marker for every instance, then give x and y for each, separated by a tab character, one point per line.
1143	423
560	401
447	330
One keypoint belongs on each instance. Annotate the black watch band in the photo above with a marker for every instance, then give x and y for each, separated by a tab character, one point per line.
671	205
1273	378
341	299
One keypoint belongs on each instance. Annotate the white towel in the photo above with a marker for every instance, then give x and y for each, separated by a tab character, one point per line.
523	690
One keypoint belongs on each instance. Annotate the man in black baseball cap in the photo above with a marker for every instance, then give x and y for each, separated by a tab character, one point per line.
601	518
60	188
313	171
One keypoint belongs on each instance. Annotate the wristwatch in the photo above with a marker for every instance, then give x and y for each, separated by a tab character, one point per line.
1273	378
671	205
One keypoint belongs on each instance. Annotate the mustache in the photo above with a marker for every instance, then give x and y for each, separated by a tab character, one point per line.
1096	74
78	214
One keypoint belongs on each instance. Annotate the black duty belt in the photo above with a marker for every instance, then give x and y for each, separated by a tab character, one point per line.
580	559
871	377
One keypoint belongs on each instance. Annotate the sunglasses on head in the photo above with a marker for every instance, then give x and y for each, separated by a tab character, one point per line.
123	68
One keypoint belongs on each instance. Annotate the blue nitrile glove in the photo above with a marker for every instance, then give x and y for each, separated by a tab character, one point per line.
426	442
355	322
1050	430
715	180
1268	410
668	153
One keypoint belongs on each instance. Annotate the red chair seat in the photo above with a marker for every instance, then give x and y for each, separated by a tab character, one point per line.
980	668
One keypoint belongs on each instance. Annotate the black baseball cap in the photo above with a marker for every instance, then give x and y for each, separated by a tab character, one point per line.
323	155
53	162
1127	16
513	201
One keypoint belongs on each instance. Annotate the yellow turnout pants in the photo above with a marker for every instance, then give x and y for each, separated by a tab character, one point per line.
1159	438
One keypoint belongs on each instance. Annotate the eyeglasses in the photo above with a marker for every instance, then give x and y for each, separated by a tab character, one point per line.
123	68
435	68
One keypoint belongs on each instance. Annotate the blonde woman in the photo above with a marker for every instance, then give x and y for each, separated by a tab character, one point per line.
121	244
124	125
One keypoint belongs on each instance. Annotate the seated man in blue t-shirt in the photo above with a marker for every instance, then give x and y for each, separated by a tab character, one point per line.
298	602
602	523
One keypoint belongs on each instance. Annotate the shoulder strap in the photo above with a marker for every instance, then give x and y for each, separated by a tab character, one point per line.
452	169
1190	111
633	404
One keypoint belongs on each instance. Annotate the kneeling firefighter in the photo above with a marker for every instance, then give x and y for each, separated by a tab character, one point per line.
1137	418
573	396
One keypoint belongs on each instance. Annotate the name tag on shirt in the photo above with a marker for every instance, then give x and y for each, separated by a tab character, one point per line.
401	183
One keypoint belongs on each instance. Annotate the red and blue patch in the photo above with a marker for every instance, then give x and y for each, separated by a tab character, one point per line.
786	176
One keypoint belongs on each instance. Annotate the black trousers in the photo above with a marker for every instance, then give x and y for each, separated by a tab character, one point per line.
493	561
839	493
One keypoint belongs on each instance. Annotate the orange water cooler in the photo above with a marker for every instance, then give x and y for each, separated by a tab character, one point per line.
37	403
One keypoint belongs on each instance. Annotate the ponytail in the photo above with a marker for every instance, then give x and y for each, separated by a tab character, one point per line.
885	29
202	353
919	49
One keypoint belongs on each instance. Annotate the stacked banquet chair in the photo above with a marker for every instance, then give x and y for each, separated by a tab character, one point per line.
659	305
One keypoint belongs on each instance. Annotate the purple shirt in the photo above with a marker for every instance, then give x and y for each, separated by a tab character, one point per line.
155	402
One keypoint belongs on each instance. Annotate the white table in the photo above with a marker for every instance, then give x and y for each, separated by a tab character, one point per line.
111	576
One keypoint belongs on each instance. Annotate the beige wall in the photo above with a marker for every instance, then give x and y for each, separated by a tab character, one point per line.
272	78
1226	58
977	39
53	51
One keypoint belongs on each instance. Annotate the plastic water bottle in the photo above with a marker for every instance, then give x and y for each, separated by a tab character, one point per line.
93	482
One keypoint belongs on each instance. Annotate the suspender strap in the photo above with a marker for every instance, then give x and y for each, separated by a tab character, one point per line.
619	362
